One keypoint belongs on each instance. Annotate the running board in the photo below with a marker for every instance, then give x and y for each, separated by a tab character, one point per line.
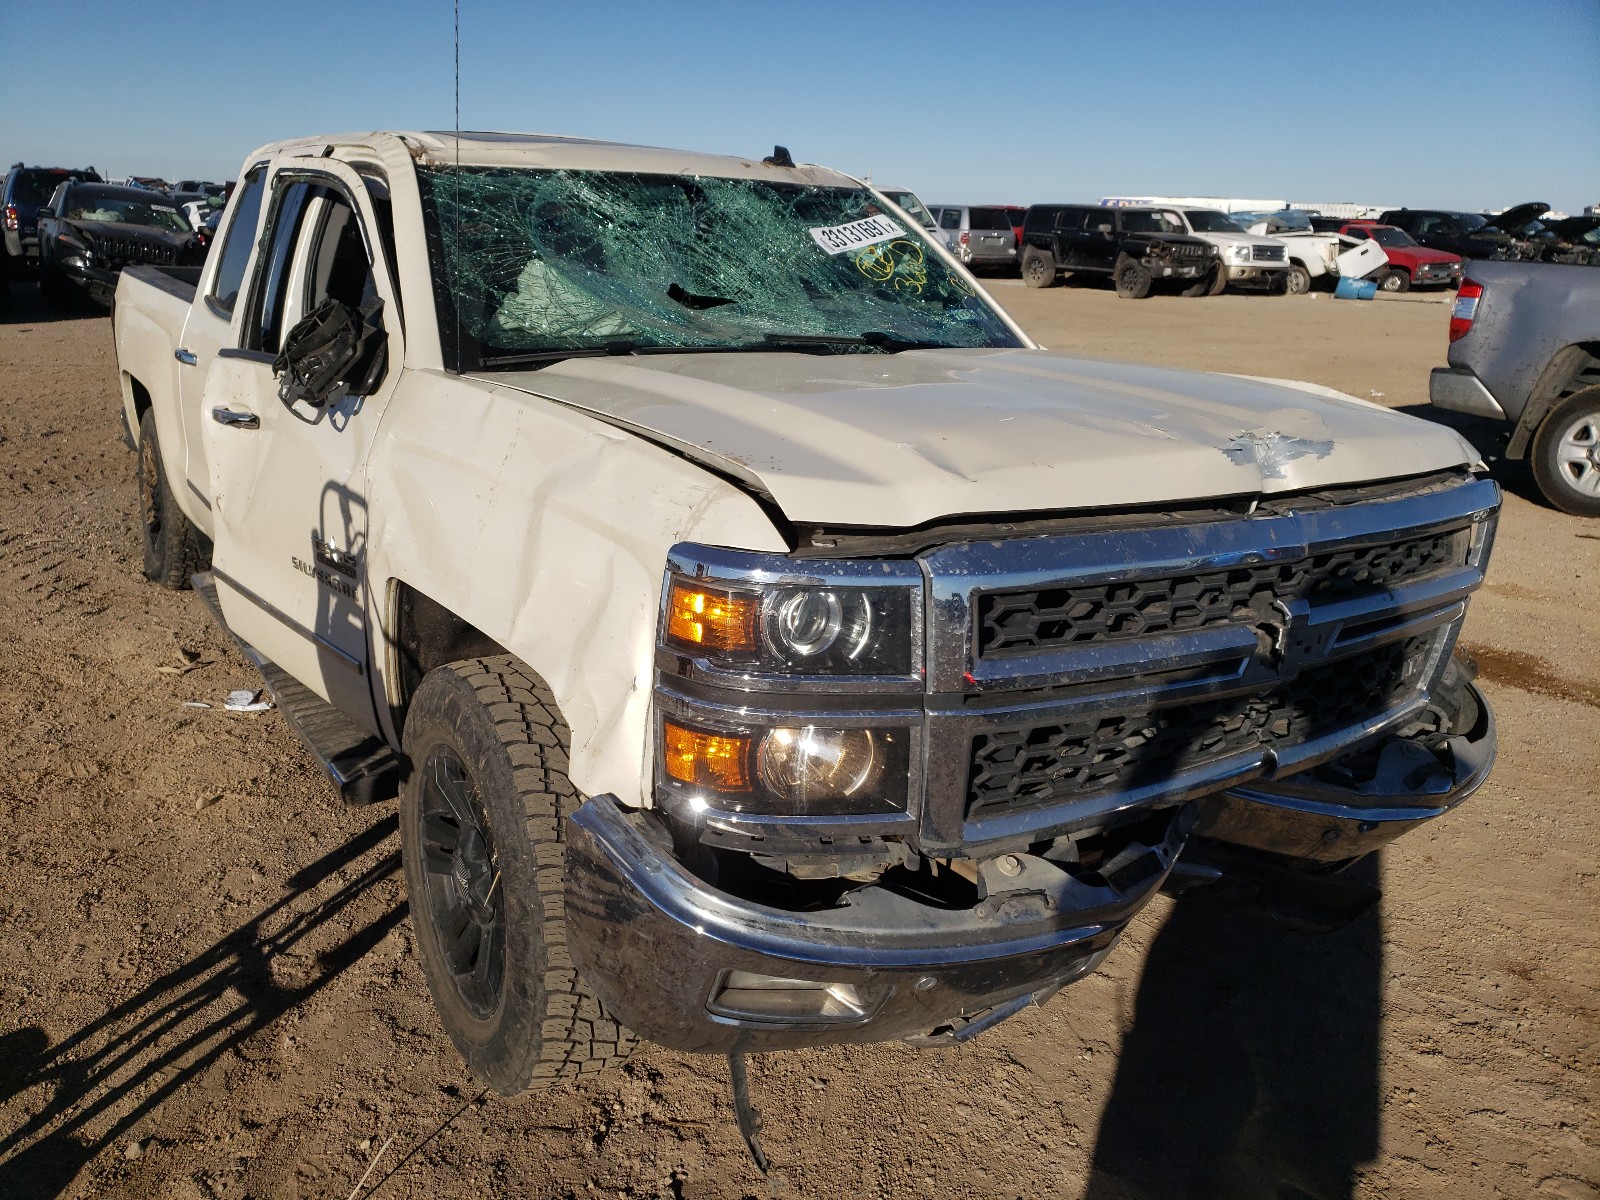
360	764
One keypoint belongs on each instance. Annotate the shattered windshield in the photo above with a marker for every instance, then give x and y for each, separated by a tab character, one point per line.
531	265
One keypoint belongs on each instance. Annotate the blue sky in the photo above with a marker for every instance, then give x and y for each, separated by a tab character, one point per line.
1466	103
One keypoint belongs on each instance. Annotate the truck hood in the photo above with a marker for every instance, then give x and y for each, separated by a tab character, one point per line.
894	441
1237	239
1516	218
1418	254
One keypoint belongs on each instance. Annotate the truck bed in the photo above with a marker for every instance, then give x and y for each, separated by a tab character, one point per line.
178	282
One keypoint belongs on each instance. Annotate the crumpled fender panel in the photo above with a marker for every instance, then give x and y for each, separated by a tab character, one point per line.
548	531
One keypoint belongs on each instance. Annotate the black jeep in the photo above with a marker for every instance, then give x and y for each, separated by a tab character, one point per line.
1137	247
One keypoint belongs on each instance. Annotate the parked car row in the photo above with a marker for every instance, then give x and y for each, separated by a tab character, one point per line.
76	232
26	191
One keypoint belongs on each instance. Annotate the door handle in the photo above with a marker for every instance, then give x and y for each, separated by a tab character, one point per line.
186	357
236	420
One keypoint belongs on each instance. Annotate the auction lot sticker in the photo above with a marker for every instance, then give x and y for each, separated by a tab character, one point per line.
837	239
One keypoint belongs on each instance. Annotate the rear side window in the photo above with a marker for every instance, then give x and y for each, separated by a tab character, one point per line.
988	218
950	218
1070	218
234	253
1041	218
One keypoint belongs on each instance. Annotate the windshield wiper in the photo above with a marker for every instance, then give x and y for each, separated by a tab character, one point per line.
873	337
539	358
770	341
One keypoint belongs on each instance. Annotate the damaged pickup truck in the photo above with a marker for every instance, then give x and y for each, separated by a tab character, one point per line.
768	643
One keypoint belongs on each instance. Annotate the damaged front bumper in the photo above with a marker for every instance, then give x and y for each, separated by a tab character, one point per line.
1355	804
99	283
695	968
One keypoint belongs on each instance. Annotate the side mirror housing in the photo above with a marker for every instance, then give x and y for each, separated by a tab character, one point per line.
332	344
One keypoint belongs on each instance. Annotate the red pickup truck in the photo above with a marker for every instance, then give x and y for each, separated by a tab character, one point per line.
1410	264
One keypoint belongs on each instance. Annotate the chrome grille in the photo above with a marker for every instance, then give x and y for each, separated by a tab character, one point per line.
1266	253
1070	615
1114	751
1079	673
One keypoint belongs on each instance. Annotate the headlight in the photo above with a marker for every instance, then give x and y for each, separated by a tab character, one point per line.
788	687
1239	253
797	630
799	765
785	770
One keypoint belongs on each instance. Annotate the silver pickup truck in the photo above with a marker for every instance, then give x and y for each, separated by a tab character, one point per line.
1525	349
768	644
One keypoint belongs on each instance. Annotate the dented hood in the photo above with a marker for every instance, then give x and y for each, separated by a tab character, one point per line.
898	440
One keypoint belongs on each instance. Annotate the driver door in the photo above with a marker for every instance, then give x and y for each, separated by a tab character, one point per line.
288	483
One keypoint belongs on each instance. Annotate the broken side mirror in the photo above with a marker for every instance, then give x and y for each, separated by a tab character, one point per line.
331	345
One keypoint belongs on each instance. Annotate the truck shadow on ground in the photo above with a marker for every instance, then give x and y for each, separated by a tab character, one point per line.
1251	1070
21	304
104	1078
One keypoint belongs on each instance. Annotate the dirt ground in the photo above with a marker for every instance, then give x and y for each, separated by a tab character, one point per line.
209	987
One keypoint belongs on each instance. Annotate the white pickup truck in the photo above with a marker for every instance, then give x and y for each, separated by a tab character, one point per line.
768	644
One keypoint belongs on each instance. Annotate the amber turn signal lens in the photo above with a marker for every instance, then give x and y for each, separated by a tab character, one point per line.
709	760
715	620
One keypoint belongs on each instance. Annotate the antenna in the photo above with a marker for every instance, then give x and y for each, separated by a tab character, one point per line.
458	82
455	179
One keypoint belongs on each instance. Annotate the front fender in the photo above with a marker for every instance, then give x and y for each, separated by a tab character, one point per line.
548	531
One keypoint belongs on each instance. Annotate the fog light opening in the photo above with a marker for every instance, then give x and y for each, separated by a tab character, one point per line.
752	996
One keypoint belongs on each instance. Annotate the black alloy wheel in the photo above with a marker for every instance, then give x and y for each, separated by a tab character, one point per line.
482	814
1133	279
462	888
1038	270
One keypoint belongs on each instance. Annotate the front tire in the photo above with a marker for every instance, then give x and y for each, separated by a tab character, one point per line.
1299	280
1204	286
482	819
1395	279
1566	454
173	548
1038	268
1133	280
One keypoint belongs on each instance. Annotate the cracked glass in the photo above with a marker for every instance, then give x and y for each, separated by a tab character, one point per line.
532	265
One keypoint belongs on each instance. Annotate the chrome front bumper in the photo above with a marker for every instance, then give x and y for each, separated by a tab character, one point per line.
1315	819
657	945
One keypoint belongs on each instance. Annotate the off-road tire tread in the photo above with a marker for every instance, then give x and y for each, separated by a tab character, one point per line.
1029	256
183	550
577	1036
1132	280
